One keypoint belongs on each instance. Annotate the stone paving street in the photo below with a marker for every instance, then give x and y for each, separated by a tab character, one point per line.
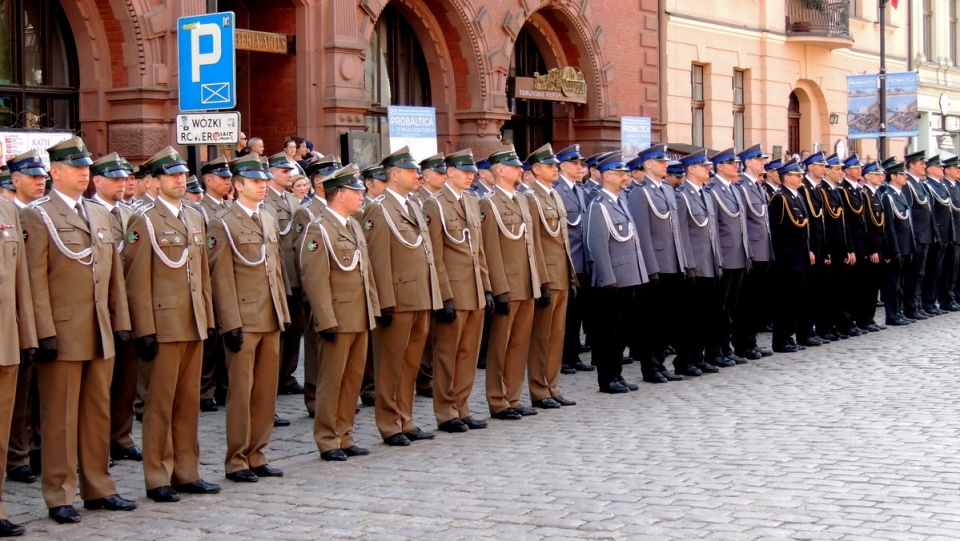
854	440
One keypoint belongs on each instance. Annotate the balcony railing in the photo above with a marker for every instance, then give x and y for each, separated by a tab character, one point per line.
818	18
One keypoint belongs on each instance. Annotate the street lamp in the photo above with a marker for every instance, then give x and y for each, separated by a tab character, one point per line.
882	79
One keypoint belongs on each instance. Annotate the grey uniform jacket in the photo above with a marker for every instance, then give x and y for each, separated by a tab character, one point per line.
613	242
654	211
699	217
731	225
575	202
758	219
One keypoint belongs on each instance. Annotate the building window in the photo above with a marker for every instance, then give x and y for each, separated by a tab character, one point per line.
928	29
697	104
793	123
954	55
39	85
738	108
531	125
854	7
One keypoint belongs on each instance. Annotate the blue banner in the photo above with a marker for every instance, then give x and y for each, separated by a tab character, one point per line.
634	135
863	105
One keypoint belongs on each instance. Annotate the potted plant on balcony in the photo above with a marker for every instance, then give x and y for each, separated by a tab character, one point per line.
816	5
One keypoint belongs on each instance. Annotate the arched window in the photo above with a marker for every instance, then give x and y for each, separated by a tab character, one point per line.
39	84
531	125
793	123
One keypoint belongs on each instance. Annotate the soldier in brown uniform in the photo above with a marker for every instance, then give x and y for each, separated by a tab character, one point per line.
549	315
251	308
453	216
81	304
19	334
376	183
516	266
407	286
172	312
339	284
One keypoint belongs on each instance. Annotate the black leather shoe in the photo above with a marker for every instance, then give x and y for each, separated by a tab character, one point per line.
629	386
397	440
524	411
843	335
356	450
655	377
547	404
764	352
163	494
614	388
243	476
584	367
208	404
473	424
277	421
881	327
813	341
918	315
508	414
426	393
786	348
138	417
64	514
133	453
453	425
9	529
722	362
736	359
954	306
23	474
627	360
197	487
296	388
688	370
670	376
898	322
853	331
564	401
567	369
829	337
872	328
112	502
481	364
368	401
267	470
416	434
707	368
909	320
753	355
334	455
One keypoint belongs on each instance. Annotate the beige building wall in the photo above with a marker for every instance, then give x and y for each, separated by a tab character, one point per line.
750	35
939	100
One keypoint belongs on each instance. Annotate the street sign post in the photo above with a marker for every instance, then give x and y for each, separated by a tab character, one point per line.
207	62
208	128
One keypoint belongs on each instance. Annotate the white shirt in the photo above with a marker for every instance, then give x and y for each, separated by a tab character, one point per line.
278	192
103	202
174	209
616	198
567	181
724	182
508	194
341	219
456	193
400	199
655	182
791	190
20	204
873	190
250	212
72	203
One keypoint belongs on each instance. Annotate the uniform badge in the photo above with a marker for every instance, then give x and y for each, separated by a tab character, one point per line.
368	225
312	246
211	243
133	237
483	216
298	228
620	228
427	219
25	235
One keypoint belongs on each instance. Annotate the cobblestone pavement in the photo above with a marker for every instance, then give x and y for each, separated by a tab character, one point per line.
853	440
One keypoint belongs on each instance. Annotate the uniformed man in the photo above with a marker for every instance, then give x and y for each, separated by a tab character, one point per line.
549	321
901	242
874	247
20	338
193	193
407	286
842	255
943	218
698	216
130	183
637	175
792	256
811	329
172	313
753	307
948	291
339	285
81	312
484	182
612	237
250	304
375	183
28	175
735	254
593	182
925	232
771	180
8	192
856	226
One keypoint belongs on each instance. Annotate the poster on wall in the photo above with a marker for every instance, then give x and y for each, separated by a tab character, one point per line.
863	105
634	135
415	127
16	142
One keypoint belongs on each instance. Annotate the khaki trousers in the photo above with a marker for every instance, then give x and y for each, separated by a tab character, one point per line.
171	415
75	429
396	353
8	389
546	346
123	393
455	364
507	355
312	347
18	452
251	399
341	371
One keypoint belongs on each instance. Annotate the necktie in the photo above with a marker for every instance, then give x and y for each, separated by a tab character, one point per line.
80	213
578	191
704	199
256	219
409	211
115	211
663	192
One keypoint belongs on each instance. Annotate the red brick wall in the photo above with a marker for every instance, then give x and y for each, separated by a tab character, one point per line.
115	40
273	83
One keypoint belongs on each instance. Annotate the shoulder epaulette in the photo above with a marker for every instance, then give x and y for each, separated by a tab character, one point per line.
40	201
379	198
488	195
470	193
144	208
193	208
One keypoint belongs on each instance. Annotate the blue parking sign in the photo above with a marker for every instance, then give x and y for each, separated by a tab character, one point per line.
207	60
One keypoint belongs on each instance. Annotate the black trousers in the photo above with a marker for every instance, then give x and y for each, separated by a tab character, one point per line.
787	310
291	340
615	307
696	305
870	279
725	306
576	309
895	286
811	309
948	277
752	313
931	278
913	281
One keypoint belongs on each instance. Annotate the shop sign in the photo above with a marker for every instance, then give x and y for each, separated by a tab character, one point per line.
16	142
261	42
559	84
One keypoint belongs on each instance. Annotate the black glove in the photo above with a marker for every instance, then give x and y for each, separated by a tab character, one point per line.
501	304
386	317
26	356
211	332
233	339
573	292
121	339
147	347
544	299
488	299
447	314
654	278
329	334
47	349
690	274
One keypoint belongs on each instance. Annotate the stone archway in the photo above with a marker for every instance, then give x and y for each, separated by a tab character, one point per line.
814	116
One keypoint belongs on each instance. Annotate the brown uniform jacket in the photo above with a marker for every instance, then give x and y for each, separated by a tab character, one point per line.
17	327
516	265
82	304
406	276
341	298
457	242
552	237
210	208
284	206
310	210
245	295
173	303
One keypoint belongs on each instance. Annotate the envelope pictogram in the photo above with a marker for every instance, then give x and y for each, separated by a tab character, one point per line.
213	93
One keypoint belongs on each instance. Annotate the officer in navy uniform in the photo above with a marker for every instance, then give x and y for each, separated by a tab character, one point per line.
635	167
924	231
856	222
791	244
874	248
842	256
951	263
814	307
666	252
901	243
735	251
592	185
612	237
771	182
698	216
943	217
482	186
752	311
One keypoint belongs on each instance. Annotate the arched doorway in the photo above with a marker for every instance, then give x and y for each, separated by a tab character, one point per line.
793	124
39	83
532	122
